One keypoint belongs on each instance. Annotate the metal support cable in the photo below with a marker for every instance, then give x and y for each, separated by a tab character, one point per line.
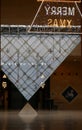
78	9
36	15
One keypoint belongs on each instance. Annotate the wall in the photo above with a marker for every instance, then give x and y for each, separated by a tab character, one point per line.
15	99
68	74
19	12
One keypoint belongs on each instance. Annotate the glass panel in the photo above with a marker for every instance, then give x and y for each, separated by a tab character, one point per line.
29	60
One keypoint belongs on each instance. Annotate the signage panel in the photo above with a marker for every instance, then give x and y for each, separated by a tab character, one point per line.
57	17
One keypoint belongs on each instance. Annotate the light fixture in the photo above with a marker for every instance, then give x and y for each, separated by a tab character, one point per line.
4	84
42	85
42	76
4	76
43	64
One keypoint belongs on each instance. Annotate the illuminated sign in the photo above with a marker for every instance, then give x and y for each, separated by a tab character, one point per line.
64	16
60	0
62	11
59	11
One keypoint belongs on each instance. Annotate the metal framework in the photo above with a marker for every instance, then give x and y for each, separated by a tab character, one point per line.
30	54
28	59
36	29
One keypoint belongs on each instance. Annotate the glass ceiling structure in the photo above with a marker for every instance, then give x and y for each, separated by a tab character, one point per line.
29	59
30	54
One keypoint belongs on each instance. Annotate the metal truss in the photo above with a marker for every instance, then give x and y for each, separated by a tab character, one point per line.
38	29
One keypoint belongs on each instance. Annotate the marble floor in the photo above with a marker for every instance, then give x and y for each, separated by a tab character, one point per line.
45	120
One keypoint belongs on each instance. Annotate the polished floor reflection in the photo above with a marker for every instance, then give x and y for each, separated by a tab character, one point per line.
46	120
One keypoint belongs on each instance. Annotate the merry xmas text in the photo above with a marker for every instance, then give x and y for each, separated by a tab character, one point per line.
61	12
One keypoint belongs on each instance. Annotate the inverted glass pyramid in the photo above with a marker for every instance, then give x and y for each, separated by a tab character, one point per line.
29	55
28	60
